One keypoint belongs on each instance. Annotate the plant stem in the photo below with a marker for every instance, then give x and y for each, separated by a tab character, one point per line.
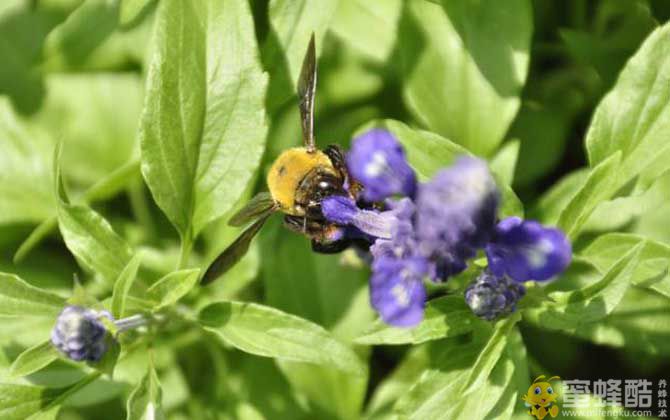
131	322
186	245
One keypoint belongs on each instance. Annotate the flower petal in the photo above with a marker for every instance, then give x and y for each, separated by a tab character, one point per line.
343	210
526	250
377	160
397	291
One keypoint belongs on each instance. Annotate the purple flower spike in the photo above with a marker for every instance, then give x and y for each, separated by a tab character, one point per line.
491	297
456	214
397	291
526	250
343	211
377	160
79	334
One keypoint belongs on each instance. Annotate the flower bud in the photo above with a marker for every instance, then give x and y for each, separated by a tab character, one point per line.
79	333
491	297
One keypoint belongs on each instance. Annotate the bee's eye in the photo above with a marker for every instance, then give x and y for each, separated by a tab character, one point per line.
550	391
538	390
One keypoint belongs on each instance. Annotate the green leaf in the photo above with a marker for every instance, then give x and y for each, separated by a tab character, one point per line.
395	385
652	270
598	187
132	9
292	23
635	116
122	286
569	310
489	355
21	402
372	29
203	128
172	287
93	241
640	322
145	401
504	162
265	331
25	178
463	63
73	41
438	392
18	298
87	234
552	203
306	290
444	317
33	359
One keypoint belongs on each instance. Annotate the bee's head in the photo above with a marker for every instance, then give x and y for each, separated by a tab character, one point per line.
288	171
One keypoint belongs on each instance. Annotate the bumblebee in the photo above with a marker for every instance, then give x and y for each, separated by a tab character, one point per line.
297	182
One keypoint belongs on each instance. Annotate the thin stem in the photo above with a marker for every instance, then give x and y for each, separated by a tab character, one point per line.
186	245
131	322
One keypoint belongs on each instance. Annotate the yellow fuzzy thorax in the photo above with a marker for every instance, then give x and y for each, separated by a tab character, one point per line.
288	170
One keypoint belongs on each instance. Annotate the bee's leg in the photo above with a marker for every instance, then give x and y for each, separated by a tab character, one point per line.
296	223
330	247
336	156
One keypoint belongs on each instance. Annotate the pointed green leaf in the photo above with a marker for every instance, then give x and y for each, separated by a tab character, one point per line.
465	62
598	187
93	241
569	310
33	359
18	298
123	285
265	331
652	270
444	317
634	117
438	391
145	401
489	355
203	128
172	287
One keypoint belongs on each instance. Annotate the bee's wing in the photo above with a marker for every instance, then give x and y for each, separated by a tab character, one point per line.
261	205
234	252
306	92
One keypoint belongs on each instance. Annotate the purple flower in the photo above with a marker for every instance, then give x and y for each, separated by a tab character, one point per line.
526	250
491	297
456	214
396	287
397	291
343	211
79	333
377	161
